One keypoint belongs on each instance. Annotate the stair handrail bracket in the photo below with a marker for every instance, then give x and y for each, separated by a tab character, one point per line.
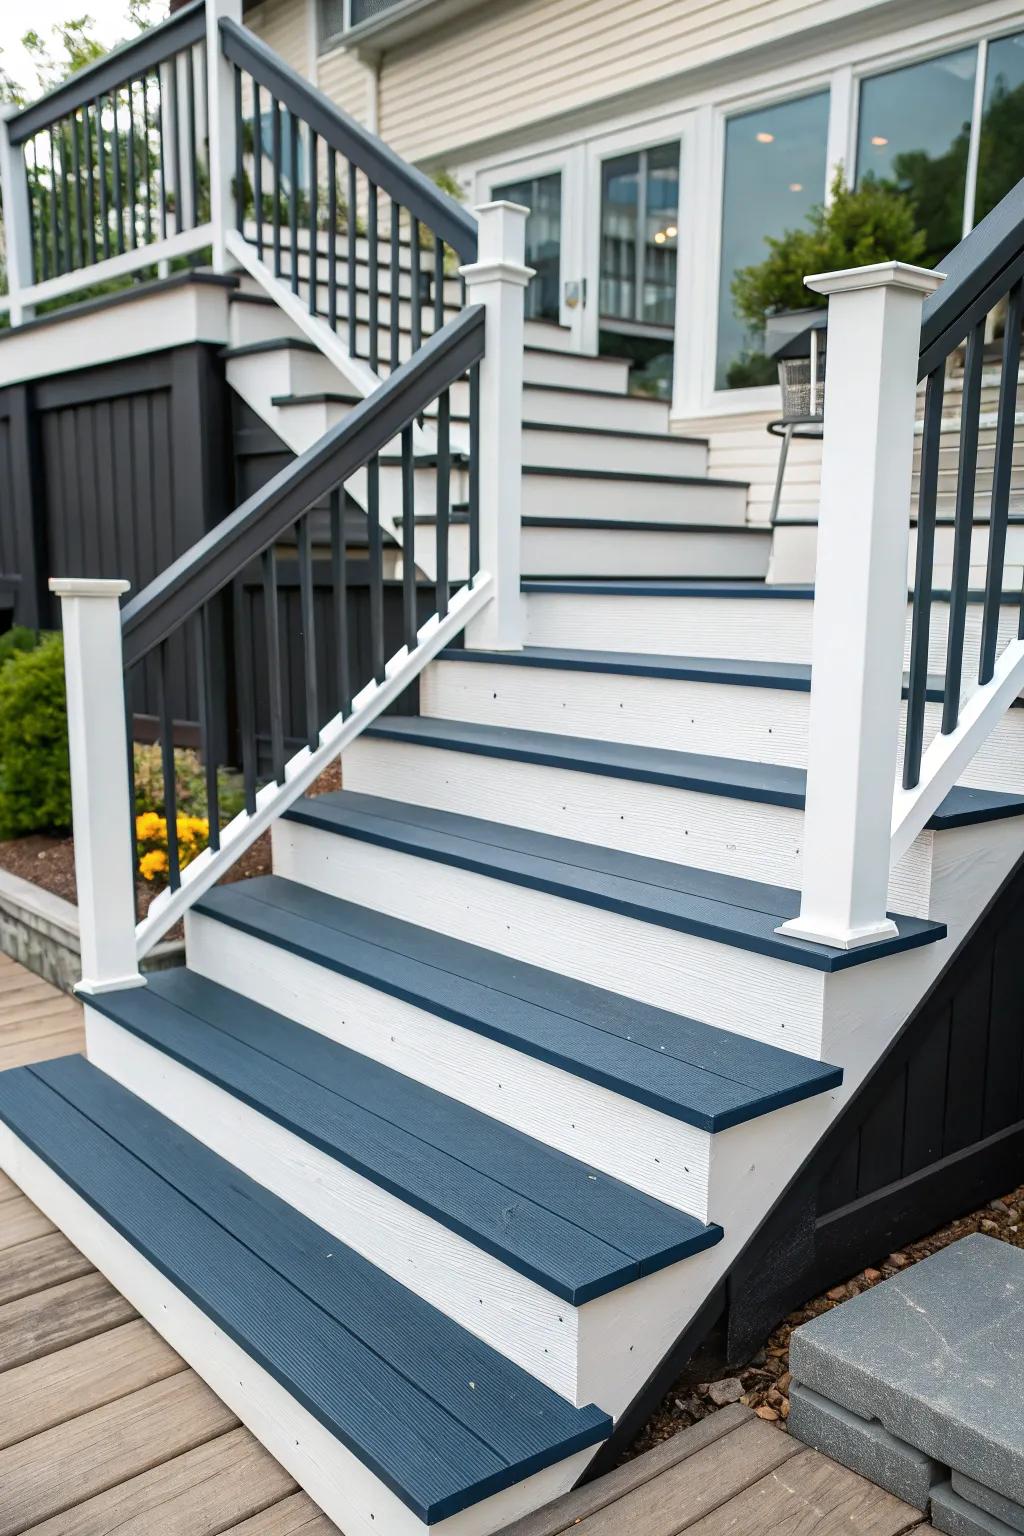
889	327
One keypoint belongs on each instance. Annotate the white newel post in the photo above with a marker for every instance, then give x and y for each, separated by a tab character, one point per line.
221	109
17	225
498	280
100	794
860	598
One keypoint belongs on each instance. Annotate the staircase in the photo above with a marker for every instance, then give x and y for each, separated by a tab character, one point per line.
453	1126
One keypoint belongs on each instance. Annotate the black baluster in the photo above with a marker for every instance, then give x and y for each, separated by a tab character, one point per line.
35	226
243	637
339	592
395	280
257	164
963	525
373	276
65	199
90	186
443	500
415	281
438	283
175	130
275	152
350	221
101	171
76	171
307	608
147	162
314	209
193	160
129	723
273	632
162	151
474	471
239	154
408	539
927	491
1002	469
166	728
376	568
206	743
293	202
54	233
130	152
332	239
115	172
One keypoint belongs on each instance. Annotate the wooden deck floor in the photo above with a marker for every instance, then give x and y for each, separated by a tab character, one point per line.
104	1429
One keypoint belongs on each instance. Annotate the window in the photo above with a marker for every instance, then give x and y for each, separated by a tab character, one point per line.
1001	148
543	196
914	131
774	174
639	240
331	22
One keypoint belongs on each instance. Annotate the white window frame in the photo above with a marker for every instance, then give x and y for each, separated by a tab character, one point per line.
564	162
698	119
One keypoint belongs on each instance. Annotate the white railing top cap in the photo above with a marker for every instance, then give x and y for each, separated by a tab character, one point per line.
87	586
883	274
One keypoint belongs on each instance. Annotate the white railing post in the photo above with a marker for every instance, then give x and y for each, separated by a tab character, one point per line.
498	280
17	226
101	805
860	599
221	116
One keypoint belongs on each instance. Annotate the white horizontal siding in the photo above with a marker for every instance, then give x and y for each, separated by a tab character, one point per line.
741	448
283	26
346	80
502	67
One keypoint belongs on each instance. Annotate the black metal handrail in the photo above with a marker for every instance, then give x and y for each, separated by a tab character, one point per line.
985	270
204	600
330	210
116	158
129	61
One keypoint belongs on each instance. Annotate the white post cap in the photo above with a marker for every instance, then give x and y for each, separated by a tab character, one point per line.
87	586
882	274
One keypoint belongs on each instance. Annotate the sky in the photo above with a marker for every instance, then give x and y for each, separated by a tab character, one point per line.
16	18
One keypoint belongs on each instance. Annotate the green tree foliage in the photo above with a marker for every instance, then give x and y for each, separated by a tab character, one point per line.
35	778
1001	157
858	226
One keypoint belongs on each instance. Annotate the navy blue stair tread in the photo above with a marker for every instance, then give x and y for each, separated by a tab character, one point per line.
707	1077
439	1417
790	675
617	432
660	587
723	908
574	1231
734	778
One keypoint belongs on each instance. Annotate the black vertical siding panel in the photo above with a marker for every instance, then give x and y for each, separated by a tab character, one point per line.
880	1158
927	1073
90	501
8	559
1002	1106
968	1056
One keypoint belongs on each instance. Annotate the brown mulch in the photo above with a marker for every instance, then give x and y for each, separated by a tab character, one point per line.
763	1383
50	861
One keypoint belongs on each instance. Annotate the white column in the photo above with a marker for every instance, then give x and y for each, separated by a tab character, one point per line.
860	598
17	226
221	106
498	280
101	798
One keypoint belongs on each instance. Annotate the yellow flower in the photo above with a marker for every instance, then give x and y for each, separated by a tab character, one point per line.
153	864
149	825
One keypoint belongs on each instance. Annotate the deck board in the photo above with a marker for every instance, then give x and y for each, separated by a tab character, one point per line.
104	1429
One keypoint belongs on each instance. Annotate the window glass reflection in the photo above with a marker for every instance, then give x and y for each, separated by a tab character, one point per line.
543	196
1001	149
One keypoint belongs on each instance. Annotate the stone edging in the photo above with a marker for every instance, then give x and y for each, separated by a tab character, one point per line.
41	931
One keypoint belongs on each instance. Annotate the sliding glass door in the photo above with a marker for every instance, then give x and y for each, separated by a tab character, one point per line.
543	196
637	278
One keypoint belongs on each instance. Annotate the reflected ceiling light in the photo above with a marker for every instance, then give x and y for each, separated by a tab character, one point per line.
671	232
765	138
879	142
659	238
796	186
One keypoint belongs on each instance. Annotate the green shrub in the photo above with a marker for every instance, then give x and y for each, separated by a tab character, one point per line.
860	225
17	639
35	779
189	784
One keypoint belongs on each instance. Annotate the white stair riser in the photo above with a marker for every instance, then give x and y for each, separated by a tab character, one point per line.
569	408
664	1157
772	629
793	555
607	375
515	1315
744	838
756	995
346	1490
587	450
640	501
766	725
250	323
612	552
